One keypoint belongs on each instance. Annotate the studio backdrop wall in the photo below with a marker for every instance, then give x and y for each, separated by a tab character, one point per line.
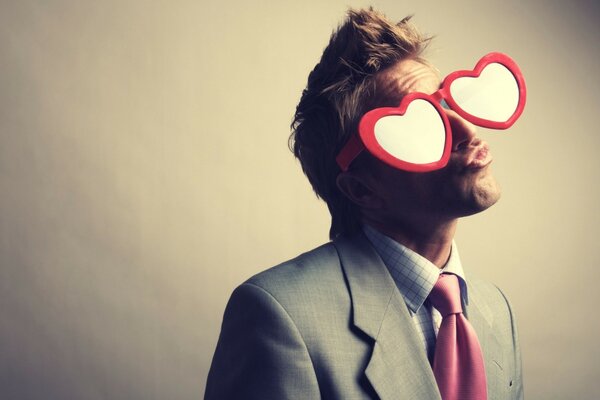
144	174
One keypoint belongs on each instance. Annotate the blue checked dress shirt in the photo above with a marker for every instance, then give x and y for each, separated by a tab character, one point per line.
415	276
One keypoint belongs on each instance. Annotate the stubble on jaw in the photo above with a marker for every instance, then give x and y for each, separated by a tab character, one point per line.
487	192
480	195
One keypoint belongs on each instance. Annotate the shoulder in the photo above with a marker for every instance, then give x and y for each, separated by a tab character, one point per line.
315	273
314	261
310	291
262	351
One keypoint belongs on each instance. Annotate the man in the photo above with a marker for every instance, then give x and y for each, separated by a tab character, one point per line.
356	317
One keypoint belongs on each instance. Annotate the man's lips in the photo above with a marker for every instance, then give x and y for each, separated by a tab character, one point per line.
479	157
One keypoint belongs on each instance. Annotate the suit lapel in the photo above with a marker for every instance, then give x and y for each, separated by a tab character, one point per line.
398	367
480	315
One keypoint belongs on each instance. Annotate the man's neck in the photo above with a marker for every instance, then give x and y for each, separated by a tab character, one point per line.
434	241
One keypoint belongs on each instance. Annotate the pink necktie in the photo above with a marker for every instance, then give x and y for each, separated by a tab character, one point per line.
458	362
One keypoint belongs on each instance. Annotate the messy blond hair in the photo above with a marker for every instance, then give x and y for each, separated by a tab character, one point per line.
340	89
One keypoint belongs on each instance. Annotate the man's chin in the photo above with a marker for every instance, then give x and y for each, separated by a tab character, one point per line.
484	195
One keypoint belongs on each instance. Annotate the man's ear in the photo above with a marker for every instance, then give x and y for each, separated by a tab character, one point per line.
356	188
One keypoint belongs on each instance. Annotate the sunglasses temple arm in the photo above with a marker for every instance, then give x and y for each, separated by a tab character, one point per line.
349	152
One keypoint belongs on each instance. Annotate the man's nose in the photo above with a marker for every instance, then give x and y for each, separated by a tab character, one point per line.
464	133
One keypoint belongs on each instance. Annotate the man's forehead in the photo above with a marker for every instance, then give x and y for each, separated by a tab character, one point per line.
407	76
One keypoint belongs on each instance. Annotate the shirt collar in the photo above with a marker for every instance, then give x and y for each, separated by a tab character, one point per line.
413	274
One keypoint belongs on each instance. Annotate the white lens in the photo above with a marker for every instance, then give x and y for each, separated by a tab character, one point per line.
416	137
493	95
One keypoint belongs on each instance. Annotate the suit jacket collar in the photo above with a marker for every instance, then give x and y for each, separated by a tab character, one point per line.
480	315
398	367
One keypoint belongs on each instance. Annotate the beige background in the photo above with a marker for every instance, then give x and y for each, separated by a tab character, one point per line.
144	174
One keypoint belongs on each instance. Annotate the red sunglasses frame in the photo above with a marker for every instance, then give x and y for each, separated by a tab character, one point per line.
366	127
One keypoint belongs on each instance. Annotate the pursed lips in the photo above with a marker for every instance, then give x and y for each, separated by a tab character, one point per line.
477	157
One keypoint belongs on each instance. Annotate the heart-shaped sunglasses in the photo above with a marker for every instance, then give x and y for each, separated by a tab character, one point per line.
416	136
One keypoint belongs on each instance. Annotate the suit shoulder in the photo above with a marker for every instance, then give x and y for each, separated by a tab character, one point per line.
321	263
310	280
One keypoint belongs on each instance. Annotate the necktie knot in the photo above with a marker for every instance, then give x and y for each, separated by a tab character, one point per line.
445	295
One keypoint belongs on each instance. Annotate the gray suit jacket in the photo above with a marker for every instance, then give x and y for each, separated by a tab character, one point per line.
331	324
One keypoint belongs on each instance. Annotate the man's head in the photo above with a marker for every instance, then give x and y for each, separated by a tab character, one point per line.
370	63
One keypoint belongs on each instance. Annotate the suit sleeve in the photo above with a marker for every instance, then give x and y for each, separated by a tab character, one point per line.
261	353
